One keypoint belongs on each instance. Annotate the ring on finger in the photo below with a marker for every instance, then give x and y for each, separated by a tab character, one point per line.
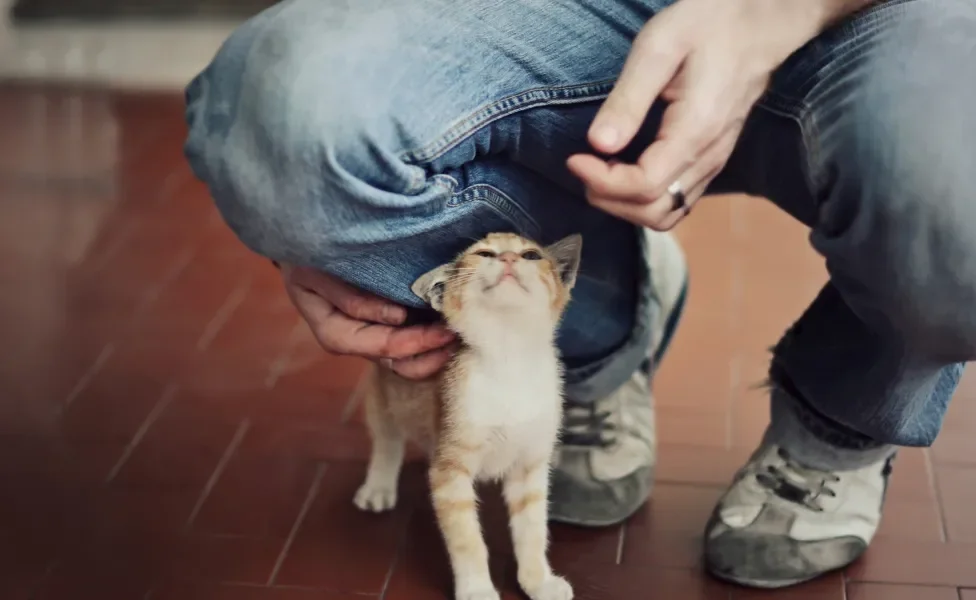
677	192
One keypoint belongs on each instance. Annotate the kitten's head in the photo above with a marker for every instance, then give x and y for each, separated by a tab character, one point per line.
504	274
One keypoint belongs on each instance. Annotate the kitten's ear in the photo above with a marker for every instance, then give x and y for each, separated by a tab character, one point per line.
567	253
431	285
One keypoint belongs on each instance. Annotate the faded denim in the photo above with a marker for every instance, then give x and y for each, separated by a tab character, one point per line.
373	139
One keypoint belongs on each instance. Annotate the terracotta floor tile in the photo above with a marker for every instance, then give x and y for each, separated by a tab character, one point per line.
830	587
912	477
612	582
185	591
113	407
225	559
312	440
369	544
957	490
875	591
699	465
577	547
917	563
93	570
107	585
257	496
668	531
917	520
181	447
694	426
967	595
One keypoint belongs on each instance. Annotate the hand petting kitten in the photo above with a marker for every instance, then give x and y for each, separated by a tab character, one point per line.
345	320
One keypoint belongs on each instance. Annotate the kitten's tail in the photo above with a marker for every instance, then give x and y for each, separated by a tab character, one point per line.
365	383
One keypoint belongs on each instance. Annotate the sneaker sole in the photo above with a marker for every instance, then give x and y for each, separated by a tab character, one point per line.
764	584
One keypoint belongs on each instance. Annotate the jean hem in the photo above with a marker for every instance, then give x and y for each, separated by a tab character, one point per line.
599	379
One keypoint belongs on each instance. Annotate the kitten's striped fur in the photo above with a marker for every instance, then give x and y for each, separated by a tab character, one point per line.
495	411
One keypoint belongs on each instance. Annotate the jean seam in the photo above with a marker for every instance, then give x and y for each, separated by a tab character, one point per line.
498	201
508	105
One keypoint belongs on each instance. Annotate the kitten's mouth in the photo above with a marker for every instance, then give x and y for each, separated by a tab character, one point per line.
506	276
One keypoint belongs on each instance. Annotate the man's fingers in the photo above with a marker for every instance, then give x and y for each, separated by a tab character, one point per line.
650	66
411	341
339	333
609	180
343	335
662	214
710	165
659	215
355	303
690	126
423	366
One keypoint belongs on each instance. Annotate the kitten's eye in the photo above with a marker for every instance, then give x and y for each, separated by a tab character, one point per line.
531	255
486	253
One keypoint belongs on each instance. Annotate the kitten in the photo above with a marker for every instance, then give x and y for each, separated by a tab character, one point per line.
494	413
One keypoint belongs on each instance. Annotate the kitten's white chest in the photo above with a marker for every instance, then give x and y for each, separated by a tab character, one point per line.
516	407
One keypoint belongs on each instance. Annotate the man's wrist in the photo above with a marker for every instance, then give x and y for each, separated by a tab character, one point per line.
834	11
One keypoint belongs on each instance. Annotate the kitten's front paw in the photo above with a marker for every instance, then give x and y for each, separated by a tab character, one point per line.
553	587
373	498
489	593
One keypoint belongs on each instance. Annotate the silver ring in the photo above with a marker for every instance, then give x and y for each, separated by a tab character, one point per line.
677	196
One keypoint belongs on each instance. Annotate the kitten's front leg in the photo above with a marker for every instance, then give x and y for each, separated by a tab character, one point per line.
526	493
452	488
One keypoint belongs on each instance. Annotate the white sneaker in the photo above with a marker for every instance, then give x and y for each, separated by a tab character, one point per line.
781	523
604	469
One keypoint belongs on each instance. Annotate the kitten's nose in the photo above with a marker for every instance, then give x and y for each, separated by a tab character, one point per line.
508	257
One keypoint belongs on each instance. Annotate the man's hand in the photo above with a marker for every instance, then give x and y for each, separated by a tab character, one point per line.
348	321
711	61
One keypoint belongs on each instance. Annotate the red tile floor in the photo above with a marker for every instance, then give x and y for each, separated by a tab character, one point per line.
169	429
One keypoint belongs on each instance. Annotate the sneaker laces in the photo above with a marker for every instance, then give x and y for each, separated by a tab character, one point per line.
585	426
797	483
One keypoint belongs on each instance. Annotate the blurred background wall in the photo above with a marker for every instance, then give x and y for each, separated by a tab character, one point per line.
143	44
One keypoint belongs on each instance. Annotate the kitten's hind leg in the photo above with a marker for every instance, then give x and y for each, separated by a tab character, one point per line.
379	492
526	494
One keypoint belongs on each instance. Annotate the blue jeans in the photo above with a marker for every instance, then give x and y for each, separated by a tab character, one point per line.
373	139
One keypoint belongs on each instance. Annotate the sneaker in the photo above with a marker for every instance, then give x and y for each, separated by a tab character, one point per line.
781	523
604	468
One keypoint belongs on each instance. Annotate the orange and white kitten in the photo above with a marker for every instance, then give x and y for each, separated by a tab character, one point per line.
494	413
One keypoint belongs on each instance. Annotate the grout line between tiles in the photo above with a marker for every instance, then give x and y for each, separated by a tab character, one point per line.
313	492
355	398
235	443
154	292
223	314
128	229
170	184
86	379
167	396
400	547
937	492
621	539
277	366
